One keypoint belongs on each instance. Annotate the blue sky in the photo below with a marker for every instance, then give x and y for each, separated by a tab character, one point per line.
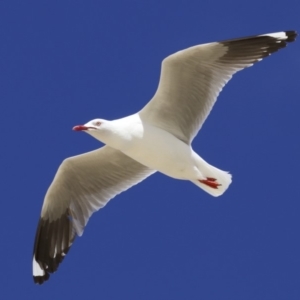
63	63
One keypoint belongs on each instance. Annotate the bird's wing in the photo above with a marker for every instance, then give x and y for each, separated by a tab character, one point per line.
82	185
192	79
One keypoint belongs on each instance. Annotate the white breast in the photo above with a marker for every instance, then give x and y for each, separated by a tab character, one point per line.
160	150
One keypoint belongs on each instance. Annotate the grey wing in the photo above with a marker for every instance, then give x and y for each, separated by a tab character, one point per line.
82	185
192	79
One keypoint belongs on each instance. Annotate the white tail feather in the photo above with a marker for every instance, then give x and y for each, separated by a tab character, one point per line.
223	178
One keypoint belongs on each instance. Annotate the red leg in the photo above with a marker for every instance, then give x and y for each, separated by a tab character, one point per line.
211	182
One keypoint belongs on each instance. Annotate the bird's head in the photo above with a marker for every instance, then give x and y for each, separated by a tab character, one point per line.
100	129
112	133
96	124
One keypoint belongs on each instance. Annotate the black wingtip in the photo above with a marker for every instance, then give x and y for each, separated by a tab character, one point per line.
291	35
52	242
41	279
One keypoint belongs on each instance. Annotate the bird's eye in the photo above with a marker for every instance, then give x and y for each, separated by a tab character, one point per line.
98	123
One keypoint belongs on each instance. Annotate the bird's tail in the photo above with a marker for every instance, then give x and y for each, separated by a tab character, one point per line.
214	181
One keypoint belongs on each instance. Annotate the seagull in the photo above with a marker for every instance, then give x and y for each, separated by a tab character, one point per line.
157	138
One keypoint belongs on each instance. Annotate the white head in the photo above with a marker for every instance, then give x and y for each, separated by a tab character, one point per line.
113	133
97	128
102	130
96	124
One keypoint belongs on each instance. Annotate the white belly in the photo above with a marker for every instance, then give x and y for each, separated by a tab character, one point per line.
161	151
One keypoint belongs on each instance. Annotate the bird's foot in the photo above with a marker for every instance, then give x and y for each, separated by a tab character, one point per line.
211	182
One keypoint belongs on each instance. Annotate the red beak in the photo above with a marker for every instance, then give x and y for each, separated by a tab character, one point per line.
80	128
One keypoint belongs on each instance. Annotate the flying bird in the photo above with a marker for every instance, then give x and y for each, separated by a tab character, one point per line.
157	138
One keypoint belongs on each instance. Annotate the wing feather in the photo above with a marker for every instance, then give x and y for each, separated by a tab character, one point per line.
82	185
192	79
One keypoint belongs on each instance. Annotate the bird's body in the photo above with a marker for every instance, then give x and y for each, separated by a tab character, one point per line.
159	150
151	146
157	138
